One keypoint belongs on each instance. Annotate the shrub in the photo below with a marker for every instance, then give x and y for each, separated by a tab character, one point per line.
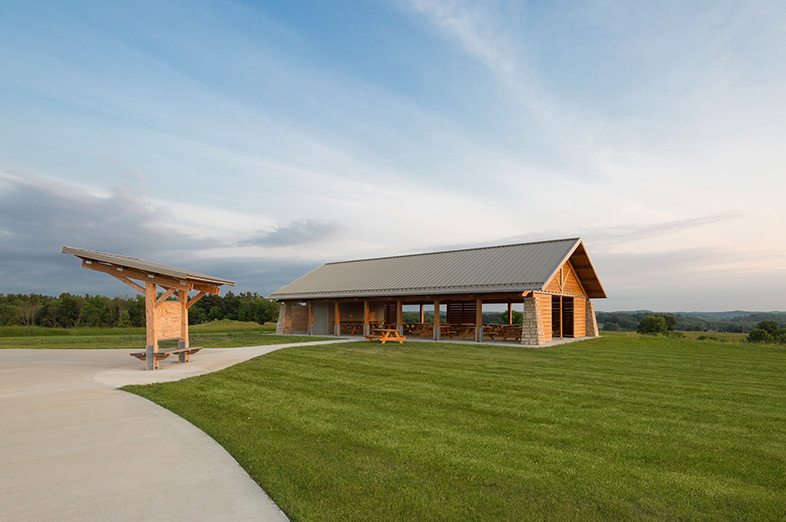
768	326
760	335
652	324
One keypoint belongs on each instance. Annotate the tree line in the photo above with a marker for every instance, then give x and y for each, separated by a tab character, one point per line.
765	332
68	310
629	321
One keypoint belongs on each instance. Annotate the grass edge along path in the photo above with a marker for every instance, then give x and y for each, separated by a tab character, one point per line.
608	429
217	334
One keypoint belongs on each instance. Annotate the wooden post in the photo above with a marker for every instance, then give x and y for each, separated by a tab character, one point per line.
366	328
422	315
338	319
510	312
182	296
400	317
150	321
436	320
560	316
479	320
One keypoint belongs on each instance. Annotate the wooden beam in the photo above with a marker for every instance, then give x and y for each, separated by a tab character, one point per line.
310	327
166	295
182	297
578	279
560	317
510	312
400	317
436	320
208	289
130	283
196	298
160	280
366	312
479	320
150	321
338	319
130	273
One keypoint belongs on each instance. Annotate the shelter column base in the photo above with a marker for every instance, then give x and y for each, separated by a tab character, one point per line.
284	323
532	331
592	321
150	358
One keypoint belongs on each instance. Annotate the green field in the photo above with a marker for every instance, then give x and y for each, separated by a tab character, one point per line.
218	334
618	428
696	336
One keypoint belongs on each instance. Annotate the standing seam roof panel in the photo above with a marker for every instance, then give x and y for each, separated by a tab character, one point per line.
512	267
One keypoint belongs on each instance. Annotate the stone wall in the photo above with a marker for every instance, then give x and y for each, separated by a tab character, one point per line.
532	328
592	322
284	323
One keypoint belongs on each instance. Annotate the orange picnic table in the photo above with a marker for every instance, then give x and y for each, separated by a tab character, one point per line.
385	335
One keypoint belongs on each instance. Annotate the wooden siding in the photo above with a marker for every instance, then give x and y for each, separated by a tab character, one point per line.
571	284
461	312
299	319
544	305
579	317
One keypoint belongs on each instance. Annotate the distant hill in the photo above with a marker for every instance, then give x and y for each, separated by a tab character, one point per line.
732	321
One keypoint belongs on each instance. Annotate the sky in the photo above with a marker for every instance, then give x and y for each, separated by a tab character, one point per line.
257	140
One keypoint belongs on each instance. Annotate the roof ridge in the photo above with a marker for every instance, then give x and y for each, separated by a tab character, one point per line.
451	251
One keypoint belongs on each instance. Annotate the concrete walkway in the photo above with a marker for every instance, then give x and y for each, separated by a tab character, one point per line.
73	447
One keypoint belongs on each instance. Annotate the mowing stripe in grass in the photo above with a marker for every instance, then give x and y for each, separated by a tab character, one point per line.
611	429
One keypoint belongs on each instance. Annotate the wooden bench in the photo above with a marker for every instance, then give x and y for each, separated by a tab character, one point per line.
421	330
510	332
182	354
352	327
385	335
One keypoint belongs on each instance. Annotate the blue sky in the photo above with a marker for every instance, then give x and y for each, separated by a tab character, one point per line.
257	140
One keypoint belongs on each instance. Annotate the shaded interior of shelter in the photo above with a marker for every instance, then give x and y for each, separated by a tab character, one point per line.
457	320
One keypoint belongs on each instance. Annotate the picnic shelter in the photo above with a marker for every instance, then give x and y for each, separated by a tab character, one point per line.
553	282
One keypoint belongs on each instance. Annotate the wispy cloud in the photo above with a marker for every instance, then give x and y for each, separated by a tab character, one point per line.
296	233
470	25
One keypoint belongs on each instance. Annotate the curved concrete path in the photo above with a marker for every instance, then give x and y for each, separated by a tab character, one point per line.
73	447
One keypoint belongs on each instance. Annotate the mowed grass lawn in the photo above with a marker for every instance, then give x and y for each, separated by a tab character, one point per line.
608	429
216	334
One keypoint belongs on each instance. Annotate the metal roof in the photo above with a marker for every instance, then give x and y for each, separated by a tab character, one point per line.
509	268
145	266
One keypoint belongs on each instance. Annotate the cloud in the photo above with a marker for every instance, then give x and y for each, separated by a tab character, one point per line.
39	215
471	29
709	279
606	236
296	233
